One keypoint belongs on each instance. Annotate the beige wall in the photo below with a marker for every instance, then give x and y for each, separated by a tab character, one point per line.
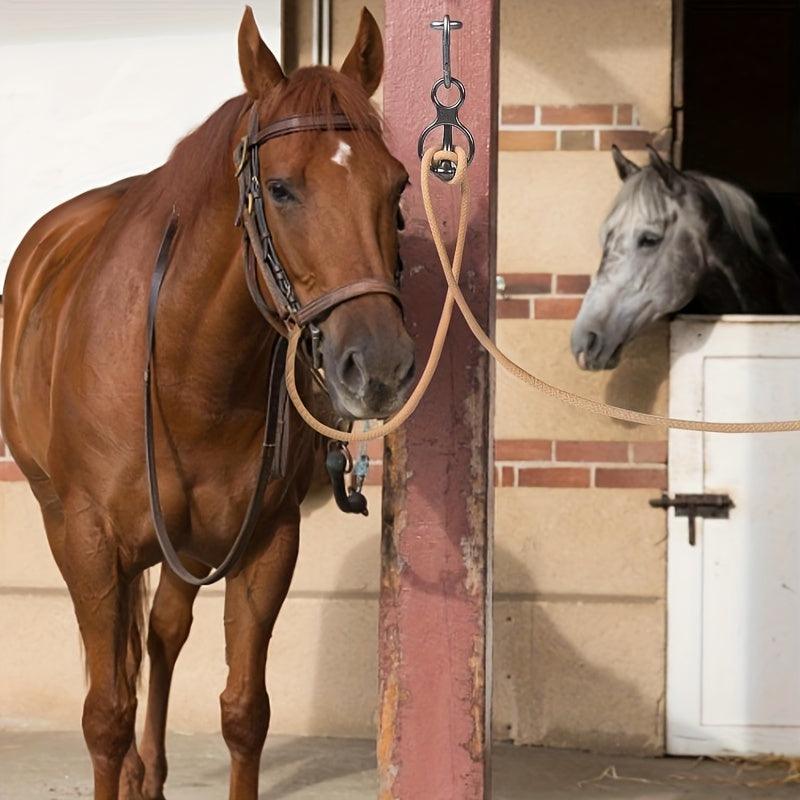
587	51
579	573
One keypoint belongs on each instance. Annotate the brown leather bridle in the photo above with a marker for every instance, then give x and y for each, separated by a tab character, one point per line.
258	245
260	256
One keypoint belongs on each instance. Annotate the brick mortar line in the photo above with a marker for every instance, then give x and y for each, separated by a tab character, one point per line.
506	295
621	465
551	128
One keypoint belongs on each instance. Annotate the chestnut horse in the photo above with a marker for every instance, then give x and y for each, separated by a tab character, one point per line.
74	356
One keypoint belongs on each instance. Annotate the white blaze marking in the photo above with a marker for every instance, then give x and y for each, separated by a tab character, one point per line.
342	154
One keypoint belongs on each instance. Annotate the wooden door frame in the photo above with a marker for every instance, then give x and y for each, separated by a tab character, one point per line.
678	17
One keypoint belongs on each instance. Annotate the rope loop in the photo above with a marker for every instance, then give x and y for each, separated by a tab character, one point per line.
456	157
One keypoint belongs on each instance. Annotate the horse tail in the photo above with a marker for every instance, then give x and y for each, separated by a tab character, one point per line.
138	605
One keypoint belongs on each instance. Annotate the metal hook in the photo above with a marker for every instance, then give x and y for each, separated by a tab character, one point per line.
447	116
446	25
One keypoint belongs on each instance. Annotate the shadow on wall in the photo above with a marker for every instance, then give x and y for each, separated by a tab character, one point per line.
644	368
546	691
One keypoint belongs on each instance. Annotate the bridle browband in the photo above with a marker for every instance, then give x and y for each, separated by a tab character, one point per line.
261	256
259	247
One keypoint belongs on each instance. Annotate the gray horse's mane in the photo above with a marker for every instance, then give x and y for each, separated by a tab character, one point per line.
644	196
740	212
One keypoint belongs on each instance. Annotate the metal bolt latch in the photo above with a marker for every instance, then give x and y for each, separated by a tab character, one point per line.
692	506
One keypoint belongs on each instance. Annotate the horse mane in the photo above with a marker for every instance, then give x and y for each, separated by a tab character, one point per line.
740	213
205	153
643	194
200	157
742	216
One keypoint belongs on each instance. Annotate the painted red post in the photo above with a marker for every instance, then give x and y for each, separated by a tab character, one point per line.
435	615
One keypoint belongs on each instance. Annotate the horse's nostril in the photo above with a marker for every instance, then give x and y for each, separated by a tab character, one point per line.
405	371
592	342
351	370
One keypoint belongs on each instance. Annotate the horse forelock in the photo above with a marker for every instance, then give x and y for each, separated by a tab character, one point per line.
645	199
642	200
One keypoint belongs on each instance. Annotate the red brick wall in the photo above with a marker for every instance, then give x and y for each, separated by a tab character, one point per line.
577	127
540	295
566	463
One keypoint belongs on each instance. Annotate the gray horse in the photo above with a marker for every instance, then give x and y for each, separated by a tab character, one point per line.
678	241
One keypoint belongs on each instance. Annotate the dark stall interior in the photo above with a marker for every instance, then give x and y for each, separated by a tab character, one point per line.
741	101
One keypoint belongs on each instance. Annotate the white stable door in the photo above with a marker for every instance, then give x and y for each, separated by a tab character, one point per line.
733	649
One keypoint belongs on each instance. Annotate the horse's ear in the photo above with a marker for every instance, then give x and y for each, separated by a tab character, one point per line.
261	71
364	62
625	167
665	170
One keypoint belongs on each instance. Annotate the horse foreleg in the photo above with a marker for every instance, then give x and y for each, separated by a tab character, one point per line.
103	600
253	598
170	623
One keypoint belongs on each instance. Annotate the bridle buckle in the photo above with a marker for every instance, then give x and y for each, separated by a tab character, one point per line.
316	340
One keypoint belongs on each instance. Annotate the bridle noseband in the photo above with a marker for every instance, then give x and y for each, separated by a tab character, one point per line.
258	245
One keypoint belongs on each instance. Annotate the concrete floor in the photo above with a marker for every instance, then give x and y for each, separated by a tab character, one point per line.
55	766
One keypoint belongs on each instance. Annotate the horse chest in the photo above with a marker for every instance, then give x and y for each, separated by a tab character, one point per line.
214	504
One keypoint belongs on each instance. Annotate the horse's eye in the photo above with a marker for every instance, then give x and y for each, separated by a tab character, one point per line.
649	240
279	192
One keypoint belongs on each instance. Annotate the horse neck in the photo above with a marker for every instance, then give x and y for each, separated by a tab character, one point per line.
738	280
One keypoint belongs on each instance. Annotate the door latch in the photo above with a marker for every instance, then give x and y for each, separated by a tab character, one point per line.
707	506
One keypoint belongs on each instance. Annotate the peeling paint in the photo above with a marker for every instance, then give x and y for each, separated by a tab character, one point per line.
476	549
387	731
392	568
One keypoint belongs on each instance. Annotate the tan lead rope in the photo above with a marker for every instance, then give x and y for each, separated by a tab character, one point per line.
394	422
451	273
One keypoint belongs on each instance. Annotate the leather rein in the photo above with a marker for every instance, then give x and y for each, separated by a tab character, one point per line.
282	310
